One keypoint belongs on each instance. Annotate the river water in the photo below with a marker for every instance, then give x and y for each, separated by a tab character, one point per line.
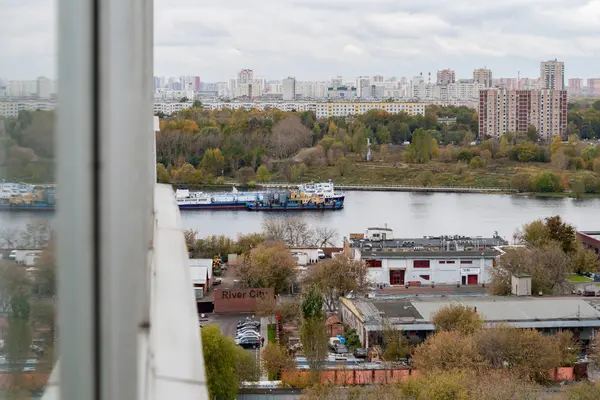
409	214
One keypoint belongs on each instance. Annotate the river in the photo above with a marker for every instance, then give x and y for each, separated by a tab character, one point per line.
409	214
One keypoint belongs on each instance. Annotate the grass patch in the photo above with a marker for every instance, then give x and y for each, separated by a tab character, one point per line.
272	333
579	278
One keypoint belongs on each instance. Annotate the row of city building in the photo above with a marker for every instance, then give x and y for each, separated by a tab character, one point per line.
321	109
445	86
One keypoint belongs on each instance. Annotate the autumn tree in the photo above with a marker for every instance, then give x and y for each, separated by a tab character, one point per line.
540	232
275	359
447	351
213	161
548	266
268	266
227	364
457	318
337	277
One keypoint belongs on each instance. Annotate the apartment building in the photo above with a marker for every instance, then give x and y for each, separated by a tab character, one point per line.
483	76
289	89
593	87
552	75
12	108
575	87
446	77
502	111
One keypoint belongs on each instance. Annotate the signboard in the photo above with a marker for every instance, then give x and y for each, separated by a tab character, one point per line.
472	271
240	300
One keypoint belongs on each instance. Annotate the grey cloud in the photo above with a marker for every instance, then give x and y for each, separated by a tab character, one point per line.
317	39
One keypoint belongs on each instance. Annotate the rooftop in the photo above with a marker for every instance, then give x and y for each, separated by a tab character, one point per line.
416	313
592	234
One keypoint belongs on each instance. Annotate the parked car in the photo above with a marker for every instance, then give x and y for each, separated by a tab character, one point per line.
217	281
339	348
247	334
245	330
320	254
360	353
248	342
248	321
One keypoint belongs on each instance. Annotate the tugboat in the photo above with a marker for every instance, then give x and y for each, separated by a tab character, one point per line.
296	201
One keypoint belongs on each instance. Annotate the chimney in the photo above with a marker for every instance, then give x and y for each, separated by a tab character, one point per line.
475	309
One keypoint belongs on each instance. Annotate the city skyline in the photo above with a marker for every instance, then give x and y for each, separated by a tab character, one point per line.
313	41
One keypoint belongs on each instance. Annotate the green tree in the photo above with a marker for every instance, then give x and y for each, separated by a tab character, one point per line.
226	364
532	133
547	182
584	260
343	165
476	162
162	175
313	337
312	303
197	104
395	345
262	174
578	187
352	340
420	150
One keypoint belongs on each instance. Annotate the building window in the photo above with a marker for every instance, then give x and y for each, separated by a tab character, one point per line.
421	264
450	262
373	263
424	277
442	262
466	262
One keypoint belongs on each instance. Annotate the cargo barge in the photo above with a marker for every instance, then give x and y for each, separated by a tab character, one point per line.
24	197
308	197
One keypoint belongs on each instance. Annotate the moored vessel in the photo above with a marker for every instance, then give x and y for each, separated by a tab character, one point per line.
25	197
296	201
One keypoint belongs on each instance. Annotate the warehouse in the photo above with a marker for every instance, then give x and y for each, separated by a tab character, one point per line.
429	260
413	315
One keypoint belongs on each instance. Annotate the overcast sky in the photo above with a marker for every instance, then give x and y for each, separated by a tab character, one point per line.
318	39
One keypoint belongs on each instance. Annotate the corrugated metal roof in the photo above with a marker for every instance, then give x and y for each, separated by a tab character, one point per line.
512	309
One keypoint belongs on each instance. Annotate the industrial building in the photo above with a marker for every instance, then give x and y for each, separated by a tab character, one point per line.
414	315
429	260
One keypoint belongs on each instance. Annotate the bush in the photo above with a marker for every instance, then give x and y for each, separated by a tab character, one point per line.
476	162
547	182
521	182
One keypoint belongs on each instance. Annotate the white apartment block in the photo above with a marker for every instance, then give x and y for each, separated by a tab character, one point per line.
168	94
321	109
289	89
12	108
170	108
